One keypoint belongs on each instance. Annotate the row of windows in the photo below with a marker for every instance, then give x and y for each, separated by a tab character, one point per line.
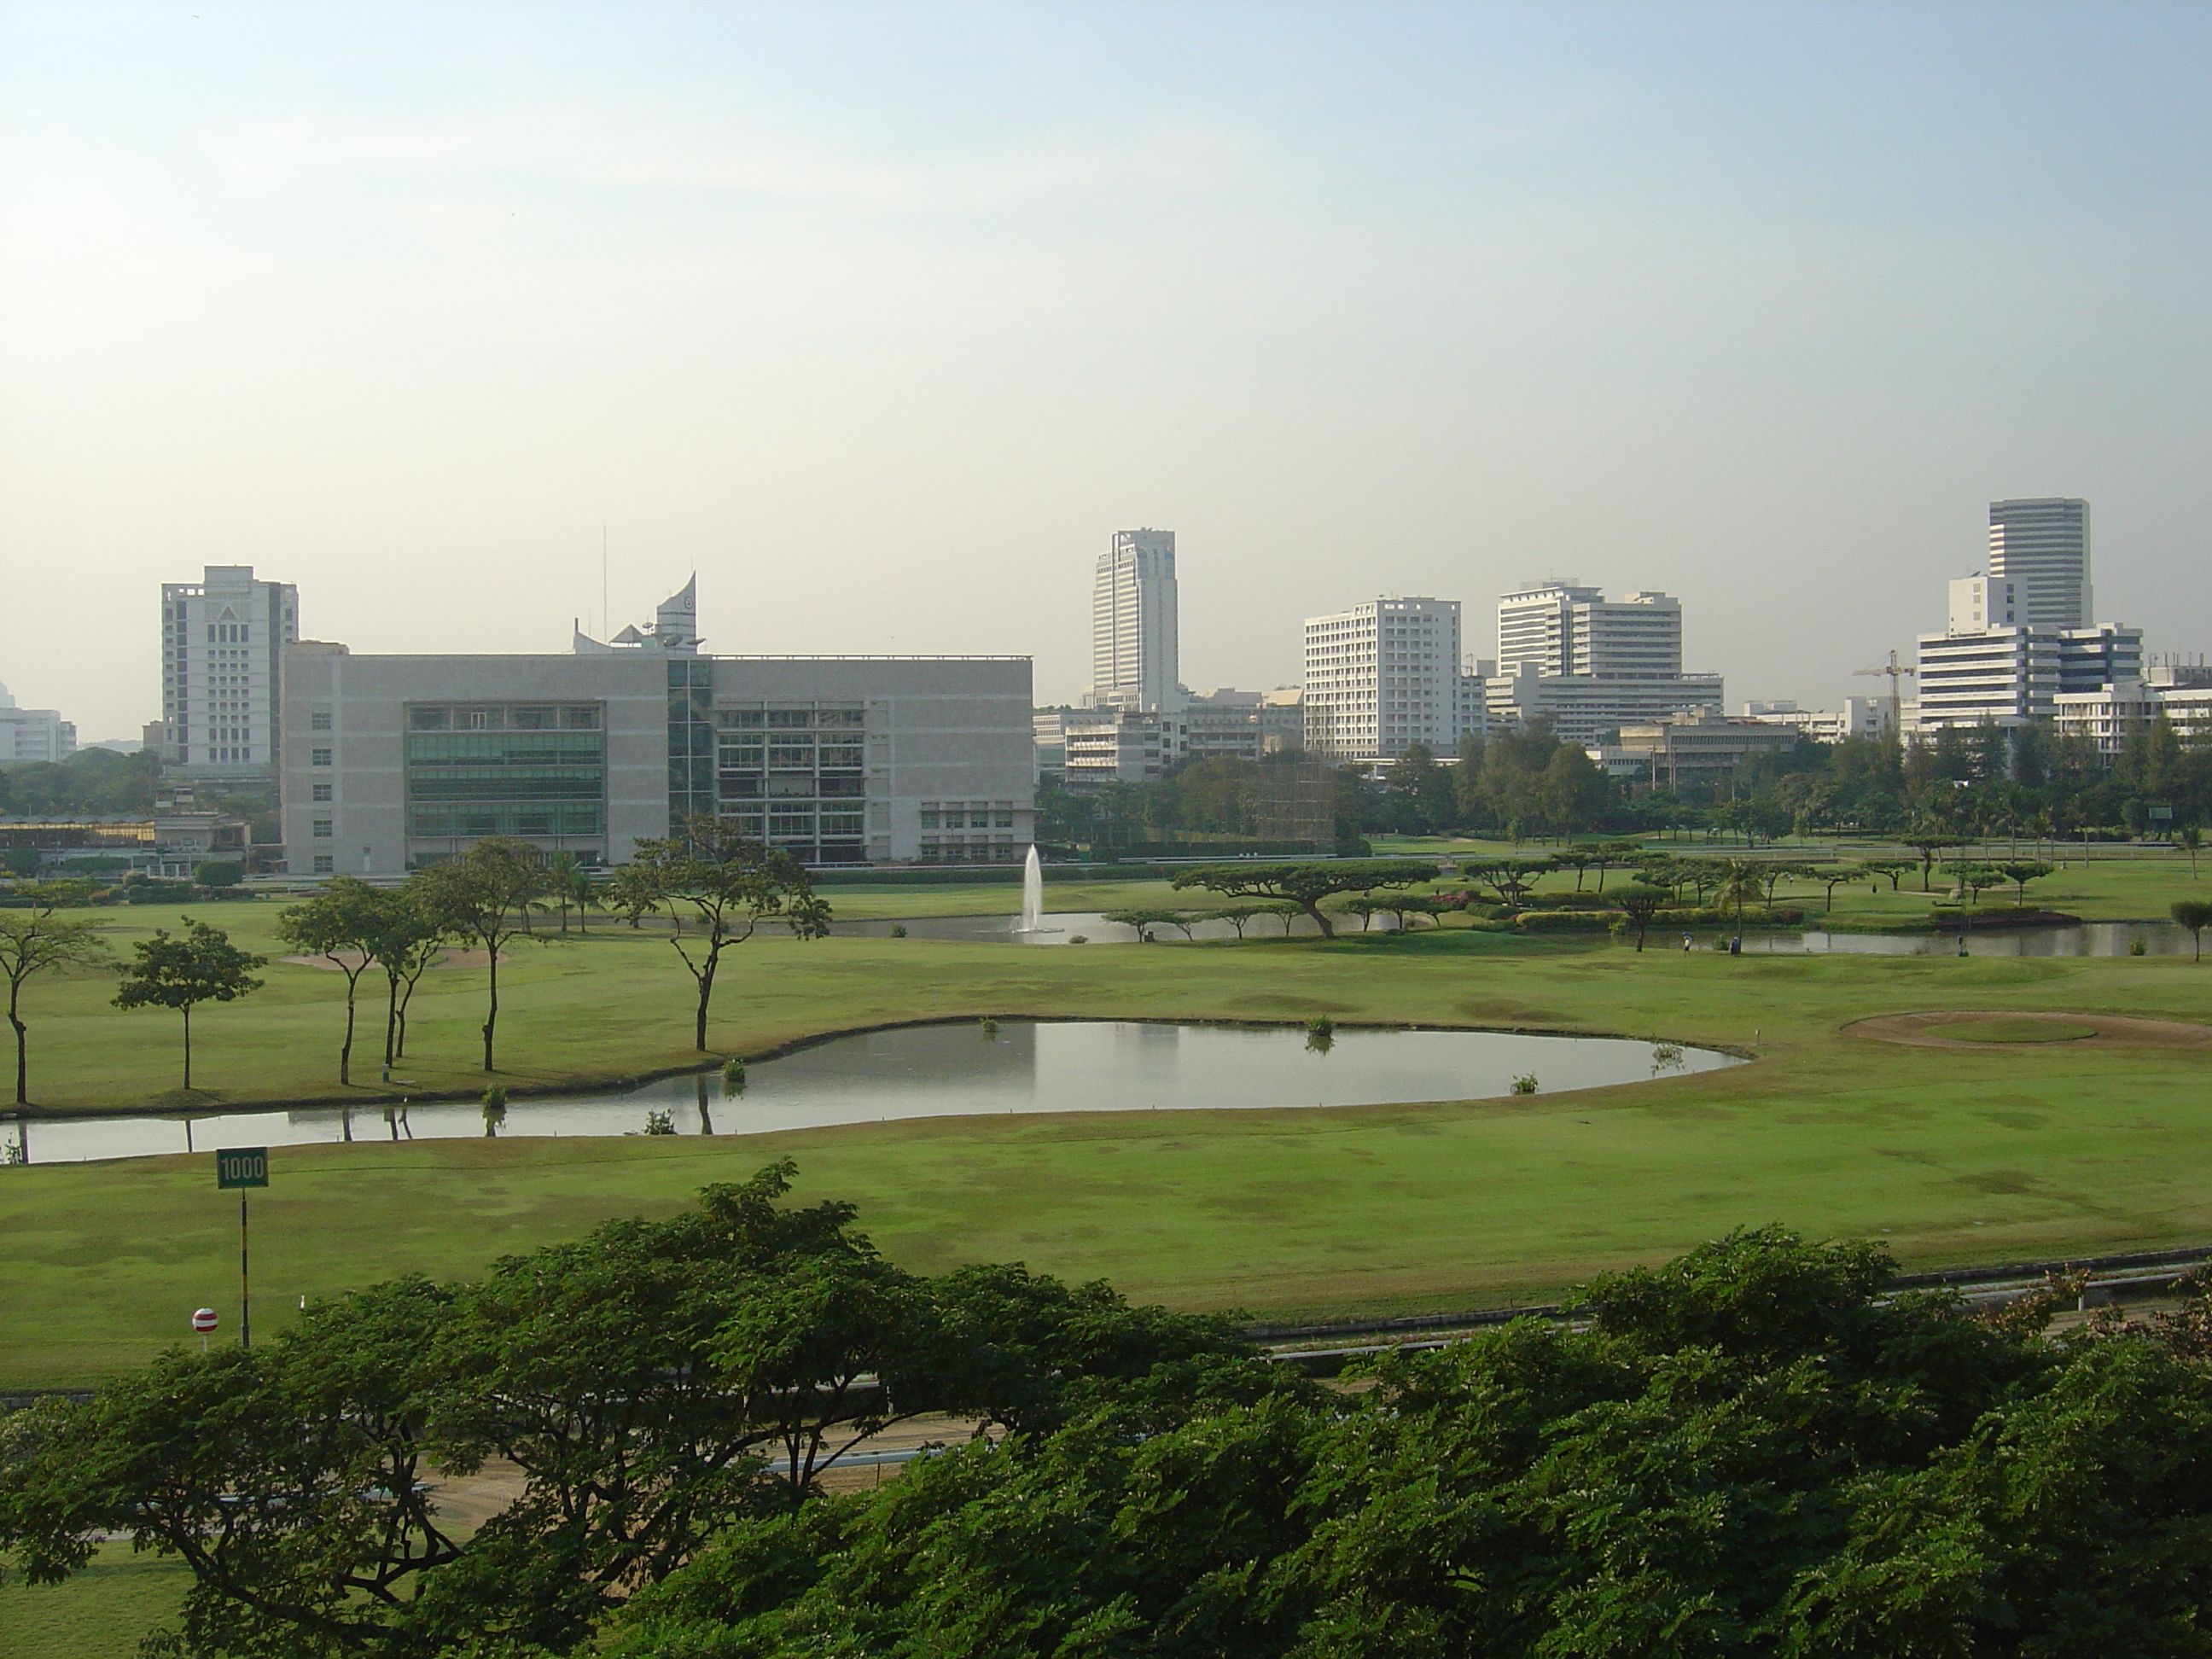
506	749
792	719
507	783
504	717
740	754
754	785
506	819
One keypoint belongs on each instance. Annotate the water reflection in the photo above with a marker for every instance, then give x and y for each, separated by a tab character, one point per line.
942	1071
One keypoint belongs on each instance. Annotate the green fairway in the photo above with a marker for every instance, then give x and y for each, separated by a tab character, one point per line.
1989	1152
100	1613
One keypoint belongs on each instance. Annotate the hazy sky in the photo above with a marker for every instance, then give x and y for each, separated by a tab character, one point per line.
883	318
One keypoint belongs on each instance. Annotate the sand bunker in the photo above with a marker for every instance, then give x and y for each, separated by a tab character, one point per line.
2007	1028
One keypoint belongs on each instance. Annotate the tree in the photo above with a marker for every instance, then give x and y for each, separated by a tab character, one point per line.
218	876
484	895
1144	920
1306	884
1740	881
1928	843
630	892
35	941
733	884
181	972
405	943
2195	915
575	887
1833	876
652	1383
1639	903
1511	879
341	925
2020	872
2190	840
1238	915
1893	869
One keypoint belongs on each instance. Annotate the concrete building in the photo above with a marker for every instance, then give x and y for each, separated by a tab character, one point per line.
391	762
1859	717
2108	714
1121	745
1566	629
2010	675
1470	692
1135	644
1687	750
1588	665
1582	709
1242	724
33	734
2042	547
1382	676
222	638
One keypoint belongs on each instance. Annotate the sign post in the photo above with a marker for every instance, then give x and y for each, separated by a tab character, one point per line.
242	1167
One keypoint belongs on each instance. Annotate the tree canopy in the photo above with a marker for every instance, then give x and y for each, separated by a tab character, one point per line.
1307	884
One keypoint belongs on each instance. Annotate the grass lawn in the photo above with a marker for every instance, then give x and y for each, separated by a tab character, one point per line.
1990	1152
100	1613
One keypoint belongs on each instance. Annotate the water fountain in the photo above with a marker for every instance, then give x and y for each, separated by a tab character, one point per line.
1031	919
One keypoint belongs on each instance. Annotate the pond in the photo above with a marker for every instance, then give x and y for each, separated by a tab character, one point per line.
2095	938
952	1071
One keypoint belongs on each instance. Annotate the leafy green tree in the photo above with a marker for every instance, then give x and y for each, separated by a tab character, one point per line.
2190	840
1929	843
183	971
1639	903
33	940
1833	876
218	876
654	1384
483	896
404	943
2195	915
1740	881
1144	921
630	892
1241	915
2021	871
1510	879
341	924
1893	869
1306	884
733	884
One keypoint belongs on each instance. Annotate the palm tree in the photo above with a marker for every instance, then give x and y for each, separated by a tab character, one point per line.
1739	879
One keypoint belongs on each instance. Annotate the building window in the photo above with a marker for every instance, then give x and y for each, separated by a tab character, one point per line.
324	829
326	863
319	722
318	757
323	791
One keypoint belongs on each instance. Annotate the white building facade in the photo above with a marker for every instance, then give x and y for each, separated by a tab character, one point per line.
222	641
1859	717
1590	666
1135	623
33	734
391	762
1382	676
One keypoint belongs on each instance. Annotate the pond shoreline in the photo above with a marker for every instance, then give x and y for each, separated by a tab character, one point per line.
627	1081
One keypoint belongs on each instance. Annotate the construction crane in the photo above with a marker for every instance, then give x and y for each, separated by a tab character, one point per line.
1894	671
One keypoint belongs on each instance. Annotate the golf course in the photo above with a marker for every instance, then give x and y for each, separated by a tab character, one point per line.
2017	1137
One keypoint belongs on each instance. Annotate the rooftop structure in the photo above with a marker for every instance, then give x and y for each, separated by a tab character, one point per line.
1134	628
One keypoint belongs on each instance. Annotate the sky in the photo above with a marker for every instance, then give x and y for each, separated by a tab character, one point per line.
883	318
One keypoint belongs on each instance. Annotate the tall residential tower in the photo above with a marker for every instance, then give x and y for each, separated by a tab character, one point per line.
1133	644
222	643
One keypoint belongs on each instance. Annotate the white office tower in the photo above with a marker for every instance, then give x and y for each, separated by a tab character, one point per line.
33	734
1134	644
2043	546
222	641
1588	665
1566	629
1382	676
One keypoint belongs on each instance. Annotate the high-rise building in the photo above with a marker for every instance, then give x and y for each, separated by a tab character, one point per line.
2009	675
33	734
1133	644
1382	676
1566	629
1590	666
2043	547
222	639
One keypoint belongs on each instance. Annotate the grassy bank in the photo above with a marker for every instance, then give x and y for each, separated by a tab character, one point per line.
1947	1156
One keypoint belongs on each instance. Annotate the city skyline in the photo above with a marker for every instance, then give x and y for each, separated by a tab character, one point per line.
906	306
